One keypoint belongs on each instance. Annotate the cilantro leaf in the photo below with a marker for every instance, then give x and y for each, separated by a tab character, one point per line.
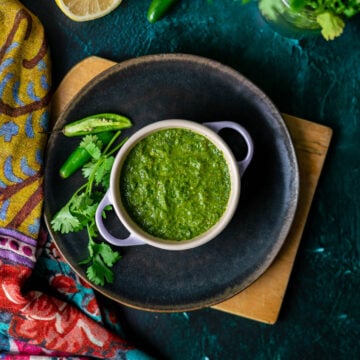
65	222
92	145
80	210
80	202
98	273
93	150
88	169
102	258
108	255
332	26
330	15
102	175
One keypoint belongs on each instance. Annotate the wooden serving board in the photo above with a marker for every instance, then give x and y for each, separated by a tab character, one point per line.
262	300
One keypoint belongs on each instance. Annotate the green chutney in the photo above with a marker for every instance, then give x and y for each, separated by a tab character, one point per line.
175	184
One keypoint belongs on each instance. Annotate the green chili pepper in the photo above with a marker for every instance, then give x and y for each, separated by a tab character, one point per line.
80	156
158	9
96	123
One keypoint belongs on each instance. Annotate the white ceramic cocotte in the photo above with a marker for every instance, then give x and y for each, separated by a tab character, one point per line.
137	236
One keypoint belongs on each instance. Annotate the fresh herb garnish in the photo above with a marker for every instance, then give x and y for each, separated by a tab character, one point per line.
101	259
79	212
330	15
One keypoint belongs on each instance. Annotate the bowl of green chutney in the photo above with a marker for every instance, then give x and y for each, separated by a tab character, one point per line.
175	184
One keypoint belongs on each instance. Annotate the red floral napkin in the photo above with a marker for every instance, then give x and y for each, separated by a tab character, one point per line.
68	323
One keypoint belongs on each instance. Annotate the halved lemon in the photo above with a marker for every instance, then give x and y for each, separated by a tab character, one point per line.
85	10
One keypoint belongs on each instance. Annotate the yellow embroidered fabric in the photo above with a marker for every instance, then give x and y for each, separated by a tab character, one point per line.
33	323
25	87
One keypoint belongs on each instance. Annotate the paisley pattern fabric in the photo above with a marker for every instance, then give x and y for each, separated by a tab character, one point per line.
69	323
24	97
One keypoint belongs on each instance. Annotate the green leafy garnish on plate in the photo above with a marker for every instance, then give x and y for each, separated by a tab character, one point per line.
101	259
79	212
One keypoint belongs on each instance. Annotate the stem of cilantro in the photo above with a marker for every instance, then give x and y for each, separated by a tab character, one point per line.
117	147
117	134
90	182
81	188
106	154
99	162
91	241
101	257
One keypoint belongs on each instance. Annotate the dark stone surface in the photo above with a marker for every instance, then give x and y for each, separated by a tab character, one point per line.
309	78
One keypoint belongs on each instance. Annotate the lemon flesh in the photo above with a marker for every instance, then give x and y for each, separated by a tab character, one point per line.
85	10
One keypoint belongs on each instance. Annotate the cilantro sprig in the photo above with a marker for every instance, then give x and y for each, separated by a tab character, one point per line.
100	261
330	15
79	212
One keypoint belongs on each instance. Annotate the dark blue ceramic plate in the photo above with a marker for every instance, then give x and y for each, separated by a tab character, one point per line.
158	87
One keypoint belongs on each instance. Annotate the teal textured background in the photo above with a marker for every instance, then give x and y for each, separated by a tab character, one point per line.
309	78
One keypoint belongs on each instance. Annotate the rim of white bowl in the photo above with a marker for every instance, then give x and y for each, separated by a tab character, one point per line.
234	195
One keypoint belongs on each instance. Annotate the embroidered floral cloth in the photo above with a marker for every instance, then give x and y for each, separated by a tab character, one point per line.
69	323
